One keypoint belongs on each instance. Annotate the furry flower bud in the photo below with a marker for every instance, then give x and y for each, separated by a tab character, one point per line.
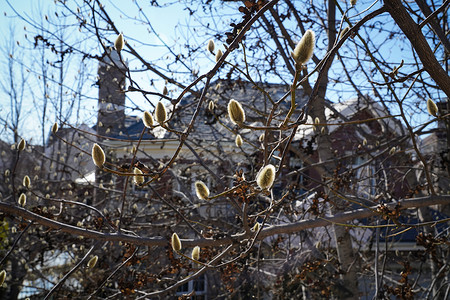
160	113
266	177
22	145
98	155
22	200
92	262
118	44
138	178
238	140
55	128
432	108
147	119
2	277
201	190
210	46
236	112
305	48
196	253
26	181
176	243
218	55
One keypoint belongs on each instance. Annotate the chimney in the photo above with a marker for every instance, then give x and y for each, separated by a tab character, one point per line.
111	96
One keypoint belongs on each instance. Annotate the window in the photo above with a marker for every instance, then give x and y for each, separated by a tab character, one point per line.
197	285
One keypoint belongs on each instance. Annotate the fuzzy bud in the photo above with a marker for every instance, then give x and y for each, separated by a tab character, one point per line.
196	253
176	243
118	44
305	48
432	108
147	119
392	151
22	145
364	142
26	181
201	190
238	140
266	177
98	155
211	105
22	200
344	31
256	227
55	128
138	178
210	46
92	262
353	2
2	277
236	112
165	90
160	113
317	121
218	55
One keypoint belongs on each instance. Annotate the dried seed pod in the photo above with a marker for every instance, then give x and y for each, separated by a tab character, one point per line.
2	277
201	190
160	113
138	178
92	262
210	46
305	48
55	128
236	112
432	108
147	119
218	55
26	181
266	177
196	253
176	243
238	140
119	43
98	155
22	200
21	145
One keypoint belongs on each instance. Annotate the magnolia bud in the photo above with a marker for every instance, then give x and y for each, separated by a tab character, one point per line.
218	55
317	120
22	145
256	227
92	262
305	48
344	31
392	151
22	200
26	181
266	177
118	44
98	155
147	119
176	243
211	105
138	178
353	2
160	113
196	253
55	128
210	46
364	142
236	112
2	277
238	140
432	108
165	90
201	190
